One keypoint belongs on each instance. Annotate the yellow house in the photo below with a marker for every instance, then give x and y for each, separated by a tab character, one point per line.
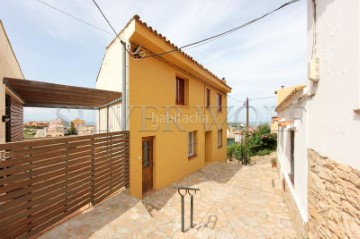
174	108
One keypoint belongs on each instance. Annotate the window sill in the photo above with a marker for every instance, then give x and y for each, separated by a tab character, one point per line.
357	111
182	106
192	156
220	146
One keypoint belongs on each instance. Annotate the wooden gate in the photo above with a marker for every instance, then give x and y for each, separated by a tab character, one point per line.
44	181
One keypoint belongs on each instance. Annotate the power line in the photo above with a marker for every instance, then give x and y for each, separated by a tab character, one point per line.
265	97
260	98
112	28
105	18
209	39
76	18
241	101
188	46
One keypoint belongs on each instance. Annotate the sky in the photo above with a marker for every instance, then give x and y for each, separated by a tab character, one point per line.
255	60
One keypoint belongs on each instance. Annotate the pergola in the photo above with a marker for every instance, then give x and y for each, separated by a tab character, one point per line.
28	93
50	95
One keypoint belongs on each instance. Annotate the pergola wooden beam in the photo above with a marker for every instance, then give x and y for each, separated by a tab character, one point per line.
50	95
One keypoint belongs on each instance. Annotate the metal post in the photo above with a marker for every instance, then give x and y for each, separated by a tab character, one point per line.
247	116
191	210
192	192
107	119
182	214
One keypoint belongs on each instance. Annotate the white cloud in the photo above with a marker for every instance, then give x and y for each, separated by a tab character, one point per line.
255	60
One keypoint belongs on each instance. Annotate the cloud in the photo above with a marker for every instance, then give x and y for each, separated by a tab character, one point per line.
255	60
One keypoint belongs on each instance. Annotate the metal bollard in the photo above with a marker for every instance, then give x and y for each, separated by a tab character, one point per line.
192	193
191	206
182	211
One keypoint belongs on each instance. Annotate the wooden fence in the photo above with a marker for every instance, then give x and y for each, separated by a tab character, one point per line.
44	181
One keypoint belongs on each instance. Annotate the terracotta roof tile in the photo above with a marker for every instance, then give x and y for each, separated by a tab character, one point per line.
137	18
289	97
285	123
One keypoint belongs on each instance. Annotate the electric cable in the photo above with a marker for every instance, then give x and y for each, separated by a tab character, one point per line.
211	38
74	17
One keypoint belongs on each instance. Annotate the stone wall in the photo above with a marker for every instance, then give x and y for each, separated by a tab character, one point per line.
334	199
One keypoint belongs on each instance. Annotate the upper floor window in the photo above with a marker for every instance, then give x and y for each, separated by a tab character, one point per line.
192	143
207	99
180	91
219	102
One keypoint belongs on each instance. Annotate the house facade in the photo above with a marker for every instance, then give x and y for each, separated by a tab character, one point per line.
174	108
292	153
319	127
56	128
10	105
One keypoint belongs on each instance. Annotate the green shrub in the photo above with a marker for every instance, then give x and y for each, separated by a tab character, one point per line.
261	139
261	142
264	152
242	153
231	151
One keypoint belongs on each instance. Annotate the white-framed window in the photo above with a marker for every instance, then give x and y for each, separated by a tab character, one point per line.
220	138
192	142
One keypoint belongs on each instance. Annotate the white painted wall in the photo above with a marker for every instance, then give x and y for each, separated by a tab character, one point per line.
110	73
114	119
334	128
298	190
238	138
110	78
9	67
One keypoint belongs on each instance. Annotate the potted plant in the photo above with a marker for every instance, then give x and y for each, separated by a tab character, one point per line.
273	163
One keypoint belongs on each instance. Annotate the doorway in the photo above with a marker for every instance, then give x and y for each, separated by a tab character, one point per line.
147	164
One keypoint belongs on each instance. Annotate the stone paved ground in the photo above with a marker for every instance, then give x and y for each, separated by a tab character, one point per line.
235	201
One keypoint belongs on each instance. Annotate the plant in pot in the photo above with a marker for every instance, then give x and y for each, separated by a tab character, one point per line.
273	163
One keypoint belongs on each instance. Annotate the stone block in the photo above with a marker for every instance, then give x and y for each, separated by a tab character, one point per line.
334	199
326	175
351	228
343	175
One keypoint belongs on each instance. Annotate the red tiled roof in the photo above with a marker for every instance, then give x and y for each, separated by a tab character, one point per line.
289	97
285	123
177	49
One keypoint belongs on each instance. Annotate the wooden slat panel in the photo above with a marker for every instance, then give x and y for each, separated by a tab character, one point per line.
45	180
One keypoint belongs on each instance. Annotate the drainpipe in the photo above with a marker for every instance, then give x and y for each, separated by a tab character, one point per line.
107	119
99	118
124	89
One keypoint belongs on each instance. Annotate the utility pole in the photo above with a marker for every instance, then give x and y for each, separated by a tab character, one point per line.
247	116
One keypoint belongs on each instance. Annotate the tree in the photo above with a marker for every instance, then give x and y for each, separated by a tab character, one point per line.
72	130
262	140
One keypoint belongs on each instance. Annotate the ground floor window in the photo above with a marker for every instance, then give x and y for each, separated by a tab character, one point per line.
220	138
192	143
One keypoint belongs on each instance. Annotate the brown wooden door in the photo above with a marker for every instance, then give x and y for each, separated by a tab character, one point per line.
208	147
147	162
